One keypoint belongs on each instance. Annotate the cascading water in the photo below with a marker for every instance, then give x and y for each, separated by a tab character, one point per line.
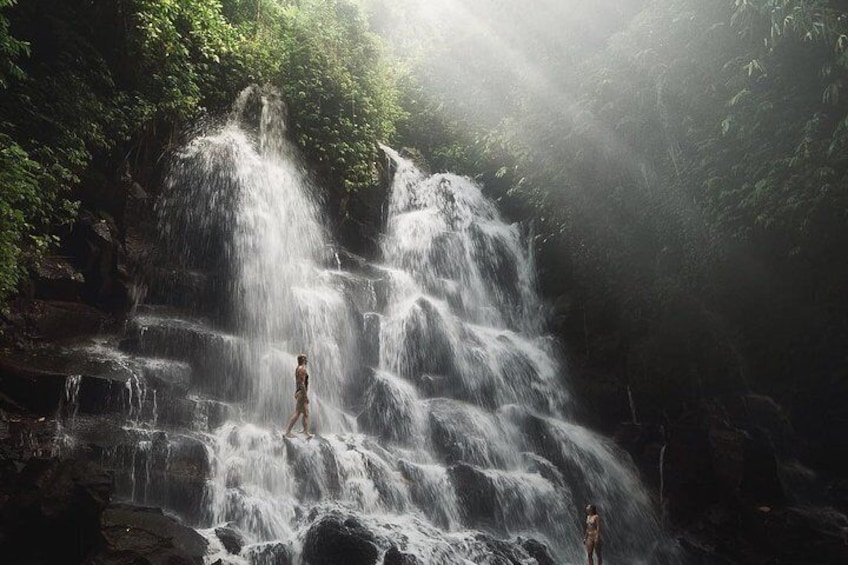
242	206
440	403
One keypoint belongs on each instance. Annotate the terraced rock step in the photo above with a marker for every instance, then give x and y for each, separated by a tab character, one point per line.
216	358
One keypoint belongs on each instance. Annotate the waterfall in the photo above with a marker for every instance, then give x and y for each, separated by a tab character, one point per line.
632	404
441	405
240	204
662	480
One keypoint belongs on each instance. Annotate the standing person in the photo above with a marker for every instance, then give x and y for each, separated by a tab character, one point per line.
592	536
301	380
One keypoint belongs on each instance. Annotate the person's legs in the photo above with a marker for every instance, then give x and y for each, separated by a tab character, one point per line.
292	422
306	419
590	548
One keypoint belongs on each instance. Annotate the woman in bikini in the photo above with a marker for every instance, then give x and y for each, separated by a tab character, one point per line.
592	535
301	396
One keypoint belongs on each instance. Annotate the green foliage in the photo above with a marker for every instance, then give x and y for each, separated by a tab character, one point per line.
10	48
20	208
100	82
342	97
688	186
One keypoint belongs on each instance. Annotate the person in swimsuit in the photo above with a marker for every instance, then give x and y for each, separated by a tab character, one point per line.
592	536
301	395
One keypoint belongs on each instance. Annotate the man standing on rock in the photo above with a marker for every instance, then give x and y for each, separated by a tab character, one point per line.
301	379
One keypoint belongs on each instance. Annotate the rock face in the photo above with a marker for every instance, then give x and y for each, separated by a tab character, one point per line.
731	478
268	554
146	535
59	511
56	502
333	540
396	557
54	320
537	551
486	549
231	538
476	493
56	278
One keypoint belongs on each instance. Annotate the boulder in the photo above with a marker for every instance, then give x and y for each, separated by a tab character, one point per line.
273	553
537	551
333	540
728	454
146	535
396	557
231	537
426	345
57	320
8	475
477	495
36	391
690	482
55	278
96	241
389	411
644	443
59	503
483	548
799	535
761	482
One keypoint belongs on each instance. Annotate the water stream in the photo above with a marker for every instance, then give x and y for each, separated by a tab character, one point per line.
440	403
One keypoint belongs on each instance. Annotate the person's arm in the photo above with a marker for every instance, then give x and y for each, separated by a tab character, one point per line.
298	378
598	526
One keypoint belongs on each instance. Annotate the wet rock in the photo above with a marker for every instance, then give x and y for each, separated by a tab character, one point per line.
38	392
164	374
837	491
55	278
483	548
96	242
57	502
540	465
371	338
464	434
426	347
537	551
641	440
8	475
56	320
268	554
333	540
216	355
728	449
500	266
799	535
754	411
185	288
354	263
231	537
303	464
477	495
396	557
389	411
761	482
147	535
690	483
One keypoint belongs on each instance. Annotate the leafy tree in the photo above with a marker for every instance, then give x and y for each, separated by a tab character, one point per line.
92	87
686	185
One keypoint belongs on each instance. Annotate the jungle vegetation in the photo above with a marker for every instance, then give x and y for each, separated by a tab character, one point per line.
680	164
